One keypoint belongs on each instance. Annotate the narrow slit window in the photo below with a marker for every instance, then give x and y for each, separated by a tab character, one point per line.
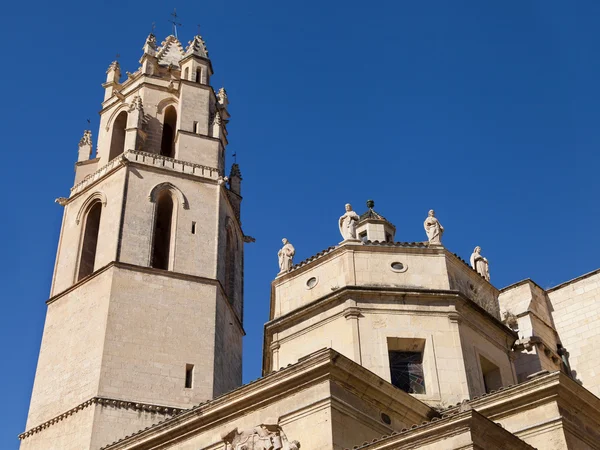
195	127
193	227
189	375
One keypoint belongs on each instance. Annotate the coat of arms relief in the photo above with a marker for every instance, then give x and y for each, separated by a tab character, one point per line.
262	437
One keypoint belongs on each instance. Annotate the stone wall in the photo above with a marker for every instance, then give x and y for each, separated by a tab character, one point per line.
576	314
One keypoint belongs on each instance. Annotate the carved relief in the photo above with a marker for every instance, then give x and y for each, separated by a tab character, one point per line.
262	437
136	104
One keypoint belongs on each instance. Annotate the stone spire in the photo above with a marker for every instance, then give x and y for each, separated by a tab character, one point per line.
85	146
113	73
235	179
197	47
150	45
148	60
170	52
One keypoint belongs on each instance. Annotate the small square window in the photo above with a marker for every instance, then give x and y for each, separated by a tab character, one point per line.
363	236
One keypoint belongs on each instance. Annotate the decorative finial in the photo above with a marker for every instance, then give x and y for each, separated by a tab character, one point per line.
114	67
86	139
222	95
370	204
234	157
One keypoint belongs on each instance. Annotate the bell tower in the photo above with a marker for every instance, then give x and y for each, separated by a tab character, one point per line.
145	311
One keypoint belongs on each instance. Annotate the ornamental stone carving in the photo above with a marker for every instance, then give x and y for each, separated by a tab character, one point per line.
433	228
136	104
286	256
222	95
347	223
86	139
262	437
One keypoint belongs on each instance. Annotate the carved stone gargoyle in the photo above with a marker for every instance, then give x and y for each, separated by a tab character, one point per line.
261	437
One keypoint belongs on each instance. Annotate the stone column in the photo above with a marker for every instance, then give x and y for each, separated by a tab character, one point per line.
134	124
352	314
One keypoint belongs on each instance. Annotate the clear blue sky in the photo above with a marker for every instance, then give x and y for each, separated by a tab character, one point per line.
486	111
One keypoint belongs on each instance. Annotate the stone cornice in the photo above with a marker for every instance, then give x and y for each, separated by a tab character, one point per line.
99	174
555	386
574	280
436	430
536	341
104	401
519	283
148	160
341	294
317	367
87	162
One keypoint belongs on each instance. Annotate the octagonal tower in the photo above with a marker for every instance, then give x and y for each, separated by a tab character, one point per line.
416	315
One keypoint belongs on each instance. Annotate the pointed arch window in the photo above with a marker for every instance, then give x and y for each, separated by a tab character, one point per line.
89	245
117	140
163	227
230	260
167	144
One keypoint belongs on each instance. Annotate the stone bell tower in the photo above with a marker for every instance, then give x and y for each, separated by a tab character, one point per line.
145	311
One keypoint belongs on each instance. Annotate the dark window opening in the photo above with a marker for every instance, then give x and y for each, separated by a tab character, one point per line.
162	231
492	380
388	237
90	241
198	75
167	143
117	140
189	375
407	371
363	236
193	227
230	267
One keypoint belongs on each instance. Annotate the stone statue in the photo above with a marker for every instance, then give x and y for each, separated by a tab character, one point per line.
262	437
348	222
480	264
286	255
433	228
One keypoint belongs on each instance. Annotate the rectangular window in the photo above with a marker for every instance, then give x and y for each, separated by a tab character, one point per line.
407	371
492	380
363	236
195	127
189	375
193	227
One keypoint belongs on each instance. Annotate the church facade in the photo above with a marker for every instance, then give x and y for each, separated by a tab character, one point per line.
371	343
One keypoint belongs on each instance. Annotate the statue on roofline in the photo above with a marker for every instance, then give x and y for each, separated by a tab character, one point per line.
347	223
433	228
